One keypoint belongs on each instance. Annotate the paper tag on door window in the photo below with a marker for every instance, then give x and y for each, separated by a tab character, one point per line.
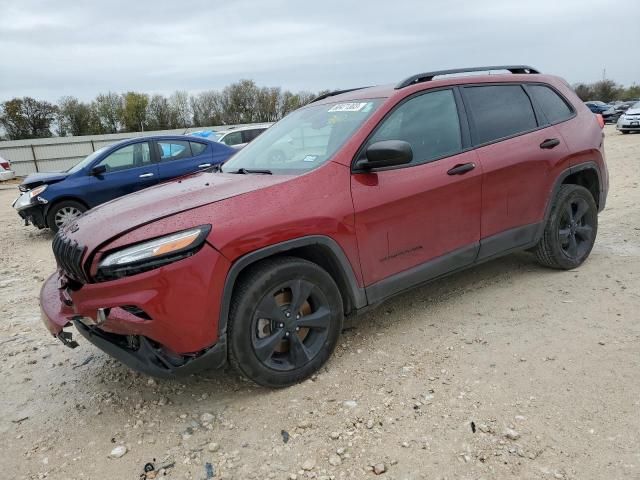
348	107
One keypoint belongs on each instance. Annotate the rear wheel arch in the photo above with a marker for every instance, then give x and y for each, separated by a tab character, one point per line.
587	177
319	249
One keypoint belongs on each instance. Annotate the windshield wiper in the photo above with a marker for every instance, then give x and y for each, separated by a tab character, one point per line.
246	171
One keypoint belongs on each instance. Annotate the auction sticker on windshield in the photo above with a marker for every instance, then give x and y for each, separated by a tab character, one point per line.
348	107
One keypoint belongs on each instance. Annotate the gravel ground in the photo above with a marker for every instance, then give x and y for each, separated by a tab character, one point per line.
506	370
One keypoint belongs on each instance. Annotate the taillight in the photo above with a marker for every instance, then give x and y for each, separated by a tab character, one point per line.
5	165
600	120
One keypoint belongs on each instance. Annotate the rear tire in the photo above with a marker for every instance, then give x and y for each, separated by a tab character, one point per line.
571	229
62	212
285	319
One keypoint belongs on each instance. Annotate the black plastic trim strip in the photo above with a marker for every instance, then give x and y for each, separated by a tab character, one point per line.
420	274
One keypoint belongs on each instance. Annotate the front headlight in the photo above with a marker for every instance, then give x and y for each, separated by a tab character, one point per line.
152	254
26	199
36	191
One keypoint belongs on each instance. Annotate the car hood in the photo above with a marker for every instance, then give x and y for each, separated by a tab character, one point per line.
35	179
114	218
633	111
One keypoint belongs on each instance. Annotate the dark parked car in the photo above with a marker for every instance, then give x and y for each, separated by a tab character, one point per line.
51	199
608	112
259	264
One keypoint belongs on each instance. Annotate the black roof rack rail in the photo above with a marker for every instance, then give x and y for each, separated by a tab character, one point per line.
335	92
428	76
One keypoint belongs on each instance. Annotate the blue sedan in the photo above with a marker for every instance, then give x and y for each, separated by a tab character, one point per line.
51	199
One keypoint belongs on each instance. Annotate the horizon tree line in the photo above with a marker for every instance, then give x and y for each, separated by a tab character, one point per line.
240	102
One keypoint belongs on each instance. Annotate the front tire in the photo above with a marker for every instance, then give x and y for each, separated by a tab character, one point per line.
63	212
571	229
285	320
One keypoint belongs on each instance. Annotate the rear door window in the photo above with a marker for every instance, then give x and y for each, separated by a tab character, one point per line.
553	106
499	111
173	150
234	138
248	135
197	148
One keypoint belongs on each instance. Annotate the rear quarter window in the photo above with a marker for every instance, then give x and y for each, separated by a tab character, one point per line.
499	111
553	106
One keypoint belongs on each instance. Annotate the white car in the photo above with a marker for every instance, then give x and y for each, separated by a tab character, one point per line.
5	170
234	136
629	121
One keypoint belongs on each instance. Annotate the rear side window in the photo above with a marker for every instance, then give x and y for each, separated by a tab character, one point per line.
428	122
248	135
232	138
553	106
499	111
174	150
197	148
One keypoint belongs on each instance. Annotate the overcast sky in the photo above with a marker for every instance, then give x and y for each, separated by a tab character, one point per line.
49	49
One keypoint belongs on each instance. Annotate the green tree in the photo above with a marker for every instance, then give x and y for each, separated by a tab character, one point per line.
135	111
74	117
27	118
109	109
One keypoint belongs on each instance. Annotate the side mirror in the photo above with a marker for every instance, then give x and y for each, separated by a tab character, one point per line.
387	153
99	170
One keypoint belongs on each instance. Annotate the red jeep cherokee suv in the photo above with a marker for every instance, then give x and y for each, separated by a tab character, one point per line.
356	197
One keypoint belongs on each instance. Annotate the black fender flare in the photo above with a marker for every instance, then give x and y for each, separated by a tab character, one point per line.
356	293
559	182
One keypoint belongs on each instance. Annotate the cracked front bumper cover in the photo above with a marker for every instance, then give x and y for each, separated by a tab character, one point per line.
150	359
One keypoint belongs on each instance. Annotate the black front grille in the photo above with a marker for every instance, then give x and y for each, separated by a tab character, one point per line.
69	257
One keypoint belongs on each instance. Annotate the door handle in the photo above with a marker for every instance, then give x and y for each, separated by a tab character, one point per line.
204	165
461	169
145	175
550	143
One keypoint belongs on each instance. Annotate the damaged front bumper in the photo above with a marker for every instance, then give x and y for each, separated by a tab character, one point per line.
134	350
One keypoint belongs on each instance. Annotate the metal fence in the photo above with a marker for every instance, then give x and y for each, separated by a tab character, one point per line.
61	153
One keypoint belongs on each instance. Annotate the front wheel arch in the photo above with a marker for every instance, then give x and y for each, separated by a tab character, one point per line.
57	202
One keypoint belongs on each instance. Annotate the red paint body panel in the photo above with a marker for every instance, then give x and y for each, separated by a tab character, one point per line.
515	172
403	220
385	222
177	297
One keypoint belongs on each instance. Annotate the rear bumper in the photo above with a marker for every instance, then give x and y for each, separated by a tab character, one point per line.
178	333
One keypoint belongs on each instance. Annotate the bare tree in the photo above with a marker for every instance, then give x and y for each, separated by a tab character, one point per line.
159	113
180	110
207	109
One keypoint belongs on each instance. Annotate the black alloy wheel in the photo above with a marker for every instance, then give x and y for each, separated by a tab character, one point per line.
285	319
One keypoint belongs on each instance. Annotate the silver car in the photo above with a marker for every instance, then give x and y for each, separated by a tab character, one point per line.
630	120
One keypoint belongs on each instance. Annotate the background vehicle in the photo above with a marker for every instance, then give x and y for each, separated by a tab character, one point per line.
259	263
51	199
629	121
608	112
5	170
234	136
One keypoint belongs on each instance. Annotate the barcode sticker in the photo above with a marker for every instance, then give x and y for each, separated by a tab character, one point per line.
348	107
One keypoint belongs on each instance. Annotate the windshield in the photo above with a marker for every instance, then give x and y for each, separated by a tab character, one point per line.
83	163
304	139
